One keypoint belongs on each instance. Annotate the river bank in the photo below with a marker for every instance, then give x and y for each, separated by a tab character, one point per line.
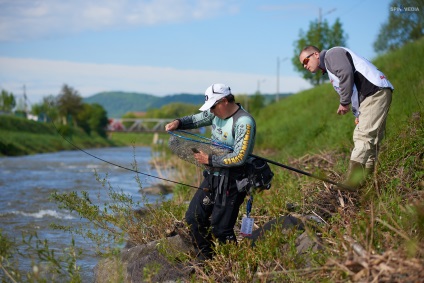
20	136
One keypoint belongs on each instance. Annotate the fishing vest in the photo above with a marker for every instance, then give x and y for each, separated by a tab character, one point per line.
368	70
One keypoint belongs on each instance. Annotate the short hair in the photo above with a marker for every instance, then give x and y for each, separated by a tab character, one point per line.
230	98
310	48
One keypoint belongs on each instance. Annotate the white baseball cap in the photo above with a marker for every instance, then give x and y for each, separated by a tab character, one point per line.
214	93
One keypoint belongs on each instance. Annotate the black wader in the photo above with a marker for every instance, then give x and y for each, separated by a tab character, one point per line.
213	211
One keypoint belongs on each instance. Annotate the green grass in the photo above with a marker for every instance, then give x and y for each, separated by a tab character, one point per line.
306	123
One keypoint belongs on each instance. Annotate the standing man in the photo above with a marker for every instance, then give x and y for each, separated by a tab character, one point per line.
360	84
214	208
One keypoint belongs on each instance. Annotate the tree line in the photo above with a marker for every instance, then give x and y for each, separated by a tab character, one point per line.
67	108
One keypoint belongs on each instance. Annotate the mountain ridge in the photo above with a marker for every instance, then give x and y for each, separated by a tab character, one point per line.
117	103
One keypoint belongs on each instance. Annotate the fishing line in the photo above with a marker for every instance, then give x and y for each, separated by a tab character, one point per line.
212	142
117	165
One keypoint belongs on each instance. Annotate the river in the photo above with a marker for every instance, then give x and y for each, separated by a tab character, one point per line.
27	182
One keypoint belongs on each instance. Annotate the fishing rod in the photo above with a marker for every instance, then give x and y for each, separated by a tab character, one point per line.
219	144
117	165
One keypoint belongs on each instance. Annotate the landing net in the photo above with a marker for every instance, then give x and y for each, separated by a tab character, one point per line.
184	144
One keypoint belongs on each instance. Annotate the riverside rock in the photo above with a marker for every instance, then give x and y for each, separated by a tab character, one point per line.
147	263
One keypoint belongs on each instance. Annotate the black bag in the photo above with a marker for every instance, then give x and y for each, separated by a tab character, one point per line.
257	177
259	173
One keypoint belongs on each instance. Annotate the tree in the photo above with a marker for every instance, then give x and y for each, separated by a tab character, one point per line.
321	36
46	110
93	119
98	119
69	103
83	118
7	101
405	24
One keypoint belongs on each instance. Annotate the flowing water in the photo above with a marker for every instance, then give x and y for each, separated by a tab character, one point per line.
27	182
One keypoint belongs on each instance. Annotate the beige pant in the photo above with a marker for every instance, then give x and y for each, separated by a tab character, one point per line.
370	130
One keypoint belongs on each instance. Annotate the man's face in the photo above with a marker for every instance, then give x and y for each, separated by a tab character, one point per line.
218	109
309	60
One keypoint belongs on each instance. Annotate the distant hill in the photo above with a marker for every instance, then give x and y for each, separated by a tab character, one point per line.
117	103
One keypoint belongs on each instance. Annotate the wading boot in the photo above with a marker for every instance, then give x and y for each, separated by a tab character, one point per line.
355	177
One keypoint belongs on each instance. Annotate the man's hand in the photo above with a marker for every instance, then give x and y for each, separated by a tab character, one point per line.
172	126
202	157
343	109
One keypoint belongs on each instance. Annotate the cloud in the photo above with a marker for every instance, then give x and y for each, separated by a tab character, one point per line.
46	77
28	19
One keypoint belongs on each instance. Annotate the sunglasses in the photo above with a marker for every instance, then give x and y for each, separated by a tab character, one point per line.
307	58
216	103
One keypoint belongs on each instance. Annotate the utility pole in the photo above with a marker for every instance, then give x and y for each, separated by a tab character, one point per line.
25	100
278	80
278	77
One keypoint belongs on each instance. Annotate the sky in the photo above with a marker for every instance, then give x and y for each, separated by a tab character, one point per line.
164	47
